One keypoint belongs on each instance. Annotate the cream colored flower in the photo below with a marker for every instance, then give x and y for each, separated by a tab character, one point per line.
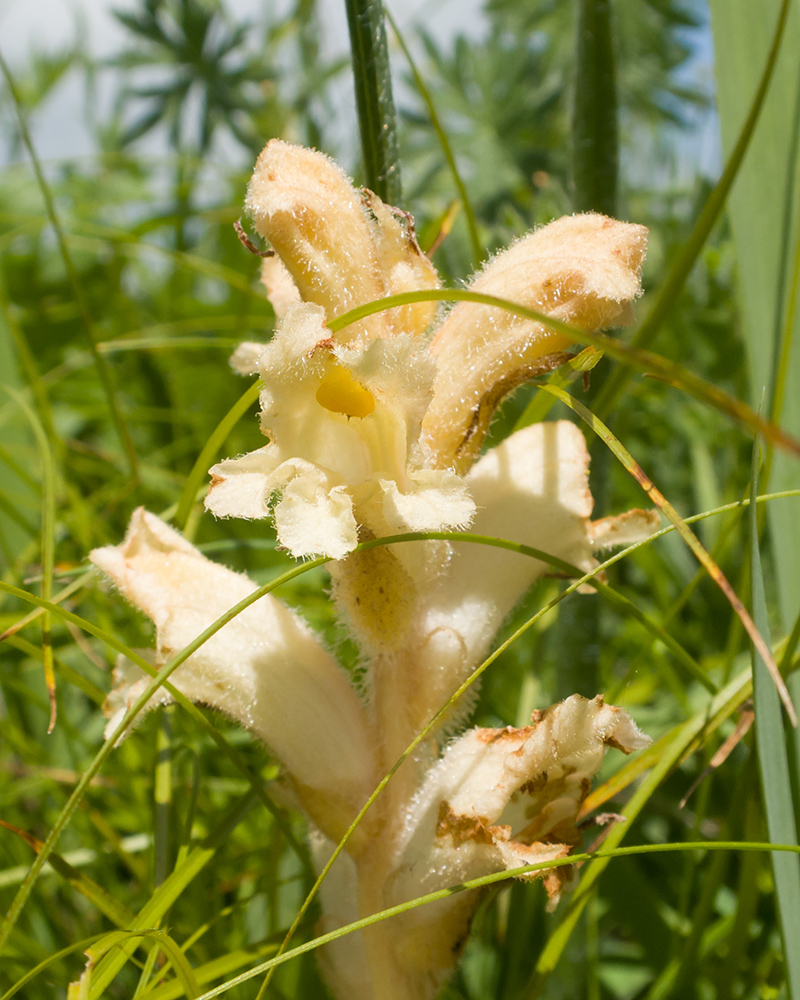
265	668
498	799
374	431
344	453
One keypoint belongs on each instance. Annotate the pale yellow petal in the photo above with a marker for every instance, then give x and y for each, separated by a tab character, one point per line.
281	290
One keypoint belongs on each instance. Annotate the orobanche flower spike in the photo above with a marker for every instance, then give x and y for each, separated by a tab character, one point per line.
372	431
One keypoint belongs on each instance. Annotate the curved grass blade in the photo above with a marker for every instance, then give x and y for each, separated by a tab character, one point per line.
556	943
454	698
116	912
26	360
215	441
605	855
687	535
15	529
161	677
374	103
103	370
214	969
703	724
50	960
111	962
765	227
668	292
577	366
634	357
71	676
37	612
773	764
478	253
118	940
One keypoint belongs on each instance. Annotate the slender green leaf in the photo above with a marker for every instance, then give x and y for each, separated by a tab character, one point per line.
201	466
636	358
692	541
763	210
447	150
773	765
599	858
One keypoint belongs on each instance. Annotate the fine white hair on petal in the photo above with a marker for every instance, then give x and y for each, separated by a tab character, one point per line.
439	500
344	424
497	800
314	519
341	248
130	681
264	667
582	270
282	292
244	359
239	486
493	787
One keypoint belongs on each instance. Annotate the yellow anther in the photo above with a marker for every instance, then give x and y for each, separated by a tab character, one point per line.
340	393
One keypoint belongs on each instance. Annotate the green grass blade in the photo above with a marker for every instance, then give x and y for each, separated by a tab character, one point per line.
454	698
166	894
120	941
76	946
374	103
688	536
773	763
595	132
599	857
158	680
766	234
215	969
478	252
26	360
116	912
200	468
13	526
638	359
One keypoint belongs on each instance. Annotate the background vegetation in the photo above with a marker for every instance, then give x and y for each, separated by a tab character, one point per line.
123	289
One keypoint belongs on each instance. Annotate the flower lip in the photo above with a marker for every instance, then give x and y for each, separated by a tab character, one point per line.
344	454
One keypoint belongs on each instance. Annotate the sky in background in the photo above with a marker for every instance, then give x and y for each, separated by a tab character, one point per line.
48	25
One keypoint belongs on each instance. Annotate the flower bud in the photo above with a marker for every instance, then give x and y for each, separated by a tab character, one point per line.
582	270
342	250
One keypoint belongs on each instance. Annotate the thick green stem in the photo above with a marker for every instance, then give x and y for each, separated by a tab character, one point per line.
373	84
595	163
595	134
